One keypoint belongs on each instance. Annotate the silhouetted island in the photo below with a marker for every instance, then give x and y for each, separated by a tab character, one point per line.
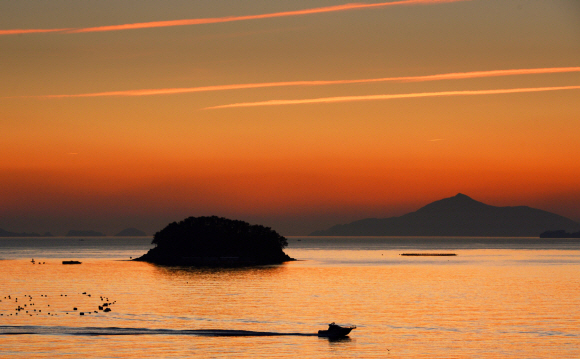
84	233
4	233
458	216
559	234
131	232
216	241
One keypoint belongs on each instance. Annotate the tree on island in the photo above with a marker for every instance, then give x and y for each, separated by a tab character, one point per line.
216	241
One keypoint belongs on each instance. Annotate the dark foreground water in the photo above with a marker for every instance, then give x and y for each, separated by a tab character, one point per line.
509	297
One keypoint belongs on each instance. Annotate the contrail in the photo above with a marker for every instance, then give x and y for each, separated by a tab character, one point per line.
215	20
437	77
476	74
31	31
392	96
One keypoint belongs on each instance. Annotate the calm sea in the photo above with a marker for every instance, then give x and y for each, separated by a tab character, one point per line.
499	297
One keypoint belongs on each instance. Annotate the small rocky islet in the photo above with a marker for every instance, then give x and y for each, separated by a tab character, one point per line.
559	234
216	242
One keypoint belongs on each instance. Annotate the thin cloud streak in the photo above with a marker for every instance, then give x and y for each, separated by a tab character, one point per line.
215	20
437	77
391	97
31	31
478	74
185	22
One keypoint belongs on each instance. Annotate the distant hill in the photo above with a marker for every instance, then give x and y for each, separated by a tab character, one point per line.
458	216
84	233
131	232
4	233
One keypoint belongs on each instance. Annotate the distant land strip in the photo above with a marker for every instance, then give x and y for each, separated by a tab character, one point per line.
399	79
215	20
393	96
428	254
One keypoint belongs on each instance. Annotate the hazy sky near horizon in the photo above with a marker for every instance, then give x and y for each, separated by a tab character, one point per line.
294	114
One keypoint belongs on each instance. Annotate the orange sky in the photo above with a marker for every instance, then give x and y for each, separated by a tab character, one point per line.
82	148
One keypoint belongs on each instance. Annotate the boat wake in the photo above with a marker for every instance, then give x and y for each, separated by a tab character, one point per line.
90	331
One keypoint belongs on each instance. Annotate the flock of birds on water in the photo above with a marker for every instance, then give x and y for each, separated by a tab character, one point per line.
28	307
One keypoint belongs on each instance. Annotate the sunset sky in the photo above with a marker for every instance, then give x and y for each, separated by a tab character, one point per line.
293	114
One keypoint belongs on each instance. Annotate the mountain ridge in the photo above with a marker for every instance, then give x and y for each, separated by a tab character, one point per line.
459	215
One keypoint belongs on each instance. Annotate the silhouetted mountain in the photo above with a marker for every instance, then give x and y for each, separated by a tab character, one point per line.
130	232
84	233
4	233
215	241
458	216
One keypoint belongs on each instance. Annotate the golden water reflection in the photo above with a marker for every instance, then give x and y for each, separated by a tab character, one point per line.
482	303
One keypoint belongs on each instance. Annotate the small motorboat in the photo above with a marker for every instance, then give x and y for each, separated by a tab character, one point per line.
336	331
